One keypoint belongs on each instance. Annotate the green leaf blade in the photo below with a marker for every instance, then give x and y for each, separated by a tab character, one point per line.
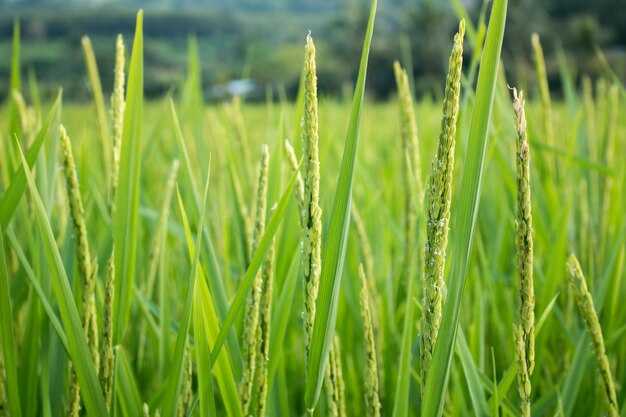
334	249
437	382
127	196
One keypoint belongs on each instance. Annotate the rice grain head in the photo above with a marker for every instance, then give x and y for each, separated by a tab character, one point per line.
312	221
85	267
251	319
525	333
544	90
588	313
372	401
601	108
239	130
334	383
408	125
107	362
438	208
263	335
293	163
118	106
186	395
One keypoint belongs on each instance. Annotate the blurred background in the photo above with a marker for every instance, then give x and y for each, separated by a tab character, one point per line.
256	46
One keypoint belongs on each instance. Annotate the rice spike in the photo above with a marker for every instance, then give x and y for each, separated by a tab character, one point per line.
525	333
438	208
251	318
588	313
372	400
312	220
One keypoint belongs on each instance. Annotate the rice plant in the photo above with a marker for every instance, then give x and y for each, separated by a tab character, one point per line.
306	265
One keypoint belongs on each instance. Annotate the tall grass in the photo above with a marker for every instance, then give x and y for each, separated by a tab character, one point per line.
185	319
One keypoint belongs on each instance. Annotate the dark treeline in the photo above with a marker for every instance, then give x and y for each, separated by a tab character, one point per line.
263	40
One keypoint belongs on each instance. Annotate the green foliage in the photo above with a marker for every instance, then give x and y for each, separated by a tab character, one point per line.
203	271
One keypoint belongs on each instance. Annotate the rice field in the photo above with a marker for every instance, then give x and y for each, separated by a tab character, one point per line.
459	255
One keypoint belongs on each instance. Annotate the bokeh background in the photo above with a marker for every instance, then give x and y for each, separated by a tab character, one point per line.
263	41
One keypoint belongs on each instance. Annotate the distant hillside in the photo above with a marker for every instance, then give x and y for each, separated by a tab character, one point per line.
263	40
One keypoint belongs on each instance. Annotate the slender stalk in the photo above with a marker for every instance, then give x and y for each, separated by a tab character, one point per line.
118	105
251	324
3	395
606	186
186	396
107	363
438	207
372	401
312	218
408	125
293	163
157	250
98	98
86	268
544	89
335	386
589	315
525	332
263	342
412	170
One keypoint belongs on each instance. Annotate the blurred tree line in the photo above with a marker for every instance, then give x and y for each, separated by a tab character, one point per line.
264	39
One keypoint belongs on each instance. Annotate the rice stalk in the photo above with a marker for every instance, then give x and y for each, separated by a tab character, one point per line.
411	168
158	247
107	362
438	207
117	112
86	268
263	342
408	124
312	215
374	295
525	332
251	324
293	163
588	313
98	98
372	401
3	394
335	386
186	396
601	110
364	243
593	146
544	90
27	116
606	186
239	130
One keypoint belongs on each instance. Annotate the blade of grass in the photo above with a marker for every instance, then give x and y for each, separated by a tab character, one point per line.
127	197
466	214
177	364
126	385
223	368
401	403
30	274
218	292
9	350
79	351
476	392
334	249
203	352
255	264
13	193
98	99
281	315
